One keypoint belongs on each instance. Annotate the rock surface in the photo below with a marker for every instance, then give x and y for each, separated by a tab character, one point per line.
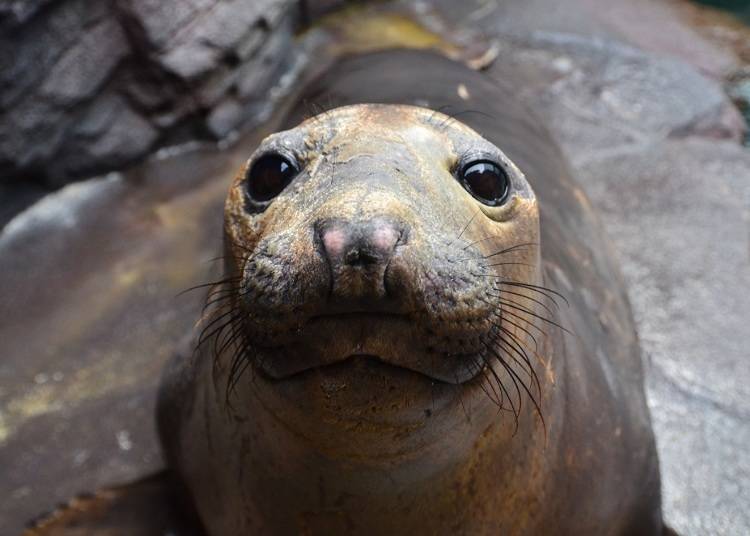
90	277
600	94
679	213
88	87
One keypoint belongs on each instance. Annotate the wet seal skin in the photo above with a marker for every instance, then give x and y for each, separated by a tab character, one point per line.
387	350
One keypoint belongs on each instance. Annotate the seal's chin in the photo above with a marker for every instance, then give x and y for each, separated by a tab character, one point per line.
361	389
383	343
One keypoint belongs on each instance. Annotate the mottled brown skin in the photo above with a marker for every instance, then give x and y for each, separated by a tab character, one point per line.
367	395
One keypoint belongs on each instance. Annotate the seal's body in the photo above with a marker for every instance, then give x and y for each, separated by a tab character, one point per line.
386	353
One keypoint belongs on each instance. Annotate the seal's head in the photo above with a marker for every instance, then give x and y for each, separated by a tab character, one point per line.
382	262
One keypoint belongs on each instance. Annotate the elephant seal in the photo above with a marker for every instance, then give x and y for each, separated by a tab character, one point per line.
387	350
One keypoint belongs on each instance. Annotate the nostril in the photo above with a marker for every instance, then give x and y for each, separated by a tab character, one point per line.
360	257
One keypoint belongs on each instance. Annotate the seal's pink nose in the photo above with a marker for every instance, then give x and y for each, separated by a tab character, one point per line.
385	237
334	240
359	243
359	255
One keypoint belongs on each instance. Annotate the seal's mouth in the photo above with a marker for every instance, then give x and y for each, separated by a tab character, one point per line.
358	363
385	343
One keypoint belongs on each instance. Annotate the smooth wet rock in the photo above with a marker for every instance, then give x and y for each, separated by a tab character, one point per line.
680	212
90	277
679	215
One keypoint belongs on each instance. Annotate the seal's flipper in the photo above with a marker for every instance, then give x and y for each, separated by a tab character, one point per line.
144	508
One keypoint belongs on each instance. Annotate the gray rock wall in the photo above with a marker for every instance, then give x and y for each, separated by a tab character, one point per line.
91	86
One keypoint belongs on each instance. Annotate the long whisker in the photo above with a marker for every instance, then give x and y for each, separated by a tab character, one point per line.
206	334
465	227
503	251
524	296
531	396
536	288
516	410
209	284
501	386
509	264
519	349
503	318
518	307
546	292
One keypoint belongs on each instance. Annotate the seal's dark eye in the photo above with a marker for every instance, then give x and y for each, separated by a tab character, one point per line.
486	181
268	176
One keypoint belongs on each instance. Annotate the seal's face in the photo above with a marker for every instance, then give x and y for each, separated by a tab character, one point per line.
372	252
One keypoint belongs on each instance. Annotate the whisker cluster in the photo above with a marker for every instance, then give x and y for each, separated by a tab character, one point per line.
222	325
523	312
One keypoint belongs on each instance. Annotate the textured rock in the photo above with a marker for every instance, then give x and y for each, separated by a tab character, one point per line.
598	94
110	135
225	117
14	12
264	67
30	135
190	60
153	71
162	20
82	69
29	51
656	26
